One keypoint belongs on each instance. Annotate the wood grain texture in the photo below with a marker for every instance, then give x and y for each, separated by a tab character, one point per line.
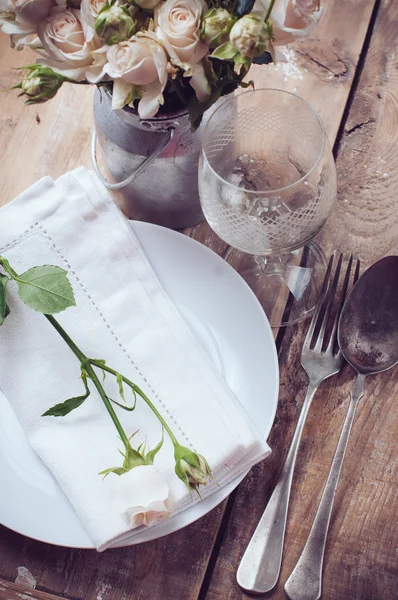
361	555
321	68
15	591
55	137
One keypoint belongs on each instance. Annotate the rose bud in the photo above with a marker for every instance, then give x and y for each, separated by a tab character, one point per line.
40	84
114	24
250	36
191	468
216	25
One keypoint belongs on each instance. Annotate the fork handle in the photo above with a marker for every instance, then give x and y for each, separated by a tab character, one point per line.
259	569
305	581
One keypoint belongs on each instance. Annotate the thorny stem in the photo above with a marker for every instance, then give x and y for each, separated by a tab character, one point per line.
85	363
137	390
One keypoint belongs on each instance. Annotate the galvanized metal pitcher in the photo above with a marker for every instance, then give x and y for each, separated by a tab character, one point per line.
154	162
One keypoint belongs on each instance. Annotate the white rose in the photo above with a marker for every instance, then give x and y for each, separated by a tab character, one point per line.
141	495
140	61
18	18
90	10
133	61
177	26
63	38
291	19
32	11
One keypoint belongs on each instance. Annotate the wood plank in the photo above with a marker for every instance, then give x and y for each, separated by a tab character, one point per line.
58	140
360	560
15	591
322	66
45	139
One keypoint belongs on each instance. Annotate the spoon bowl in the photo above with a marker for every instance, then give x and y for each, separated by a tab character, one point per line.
368	326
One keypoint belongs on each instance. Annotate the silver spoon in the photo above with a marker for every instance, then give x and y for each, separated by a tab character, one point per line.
368	339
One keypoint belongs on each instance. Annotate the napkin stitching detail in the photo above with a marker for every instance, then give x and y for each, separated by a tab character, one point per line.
20	237
156	395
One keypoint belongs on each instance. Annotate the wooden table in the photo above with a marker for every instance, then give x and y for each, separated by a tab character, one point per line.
348	69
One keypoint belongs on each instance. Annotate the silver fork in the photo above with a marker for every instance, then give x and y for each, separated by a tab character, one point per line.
259	568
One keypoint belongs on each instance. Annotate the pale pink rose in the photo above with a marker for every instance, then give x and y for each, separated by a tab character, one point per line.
141	495
63	38
90	10
177	26
133	61
141	63
18	18
292	19
33	11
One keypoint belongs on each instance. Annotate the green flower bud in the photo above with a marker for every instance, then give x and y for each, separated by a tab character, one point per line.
114	24
216	25
191	468
250	36
40	83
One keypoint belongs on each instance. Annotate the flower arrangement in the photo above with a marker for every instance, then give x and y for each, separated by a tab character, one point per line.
152	52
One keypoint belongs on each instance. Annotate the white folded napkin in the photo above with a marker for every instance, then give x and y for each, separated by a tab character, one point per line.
124	316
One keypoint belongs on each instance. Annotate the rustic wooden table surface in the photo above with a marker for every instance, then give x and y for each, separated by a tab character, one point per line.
349	71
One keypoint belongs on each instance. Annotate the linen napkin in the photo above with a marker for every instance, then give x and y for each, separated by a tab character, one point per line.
123	316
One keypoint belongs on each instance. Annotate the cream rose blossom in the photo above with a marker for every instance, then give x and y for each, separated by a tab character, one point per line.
178	23
19	18
292	19
33	11
178	27
65	45
142	496
138	66
90	10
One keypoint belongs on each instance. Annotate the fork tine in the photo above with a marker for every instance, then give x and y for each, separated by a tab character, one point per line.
322	294
332	293
333	335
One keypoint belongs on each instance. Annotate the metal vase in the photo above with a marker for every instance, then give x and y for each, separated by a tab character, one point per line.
153	161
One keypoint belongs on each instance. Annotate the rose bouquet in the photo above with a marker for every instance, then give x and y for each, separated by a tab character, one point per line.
152	52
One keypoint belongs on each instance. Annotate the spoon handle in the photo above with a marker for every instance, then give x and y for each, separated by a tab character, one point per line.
305	581
259	569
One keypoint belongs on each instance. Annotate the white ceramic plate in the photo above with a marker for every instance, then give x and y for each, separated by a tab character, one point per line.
231	325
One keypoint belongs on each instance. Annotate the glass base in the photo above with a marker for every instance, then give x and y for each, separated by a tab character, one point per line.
286	286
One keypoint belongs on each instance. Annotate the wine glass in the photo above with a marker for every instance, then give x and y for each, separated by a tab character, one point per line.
267	183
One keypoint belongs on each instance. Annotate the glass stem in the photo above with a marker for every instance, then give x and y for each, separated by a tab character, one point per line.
273	263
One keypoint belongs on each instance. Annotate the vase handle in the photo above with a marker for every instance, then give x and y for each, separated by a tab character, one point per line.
148	161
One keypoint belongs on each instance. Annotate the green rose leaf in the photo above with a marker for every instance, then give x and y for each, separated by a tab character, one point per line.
62	409
3	303
225	52
46	289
